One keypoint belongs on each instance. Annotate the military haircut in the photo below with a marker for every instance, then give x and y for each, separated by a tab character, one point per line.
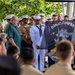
9	66
12	50
27	54
66	16
54	15
64	48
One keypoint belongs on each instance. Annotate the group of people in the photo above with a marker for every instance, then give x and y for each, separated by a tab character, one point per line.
23	64
23	43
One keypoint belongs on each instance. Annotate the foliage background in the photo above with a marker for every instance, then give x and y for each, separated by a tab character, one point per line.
22	7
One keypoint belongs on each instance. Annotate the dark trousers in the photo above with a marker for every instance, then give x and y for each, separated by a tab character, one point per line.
50	61
24	44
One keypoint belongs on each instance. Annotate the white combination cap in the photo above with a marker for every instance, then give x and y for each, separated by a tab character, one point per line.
49	18
9	16
20	19
3	35
42	14
33	16
25	16
37	17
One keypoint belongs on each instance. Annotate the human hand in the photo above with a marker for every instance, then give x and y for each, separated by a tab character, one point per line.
37	47
3	50
18	49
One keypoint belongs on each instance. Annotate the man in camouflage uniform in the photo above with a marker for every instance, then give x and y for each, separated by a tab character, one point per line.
25	32
31	22
42	18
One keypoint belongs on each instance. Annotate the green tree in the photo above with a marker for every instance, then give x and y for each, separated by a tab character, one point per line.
22	7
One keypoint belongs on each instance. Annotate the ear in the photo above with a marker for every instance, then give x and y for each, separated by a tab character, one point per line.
20	60
33	60
57	55
73	53
16	56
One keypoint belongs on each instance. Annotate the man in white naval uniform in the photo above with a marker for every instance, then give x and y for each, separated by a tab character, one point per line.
36	33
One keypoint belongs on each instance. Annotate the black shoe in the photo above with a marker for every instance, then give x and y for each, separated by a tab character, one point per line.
45	62
45	66
43	71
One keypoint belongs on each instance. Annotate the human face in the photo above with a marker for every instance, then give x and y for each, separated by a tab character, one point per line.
25	21
37	21
15	21
60	17
54	18
65	18
21	23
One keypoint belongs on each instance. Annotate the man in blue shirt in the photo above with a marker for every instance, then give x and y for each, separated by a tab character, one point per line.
36	32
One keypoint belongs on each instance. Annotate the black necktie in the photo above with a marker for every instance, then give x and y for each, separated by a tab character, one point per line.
40	30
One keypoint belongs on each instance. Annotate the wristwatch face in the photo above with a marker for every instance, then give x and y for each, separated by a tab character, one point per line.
60	0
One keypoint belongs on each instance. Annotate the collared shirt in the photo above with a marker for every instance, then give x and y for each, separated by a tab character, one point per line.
60	68
35	35
13	32
25	30
29	70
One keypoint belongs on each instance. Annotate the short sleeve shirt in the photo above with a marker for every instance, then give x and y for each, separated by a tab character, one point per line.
13	32
25	30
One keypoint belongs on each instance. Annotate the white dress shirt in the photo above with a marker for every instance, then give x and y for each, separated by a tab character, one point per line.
35	35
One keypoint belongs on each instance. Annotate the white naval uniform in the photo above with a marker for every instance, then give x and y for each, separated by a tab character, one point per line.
36	39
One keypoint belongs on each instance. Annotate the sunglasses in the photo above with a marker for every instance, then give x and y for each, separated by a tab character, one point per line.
38	20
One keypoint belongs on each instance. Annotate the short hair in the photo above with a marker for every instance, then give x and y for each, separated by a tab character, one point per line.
64	48
13	18
9	66
12	50
27	54
54	15
66	16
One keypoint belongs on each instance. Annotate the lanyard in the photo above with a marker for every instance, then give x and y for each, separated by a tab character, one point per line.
40	30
